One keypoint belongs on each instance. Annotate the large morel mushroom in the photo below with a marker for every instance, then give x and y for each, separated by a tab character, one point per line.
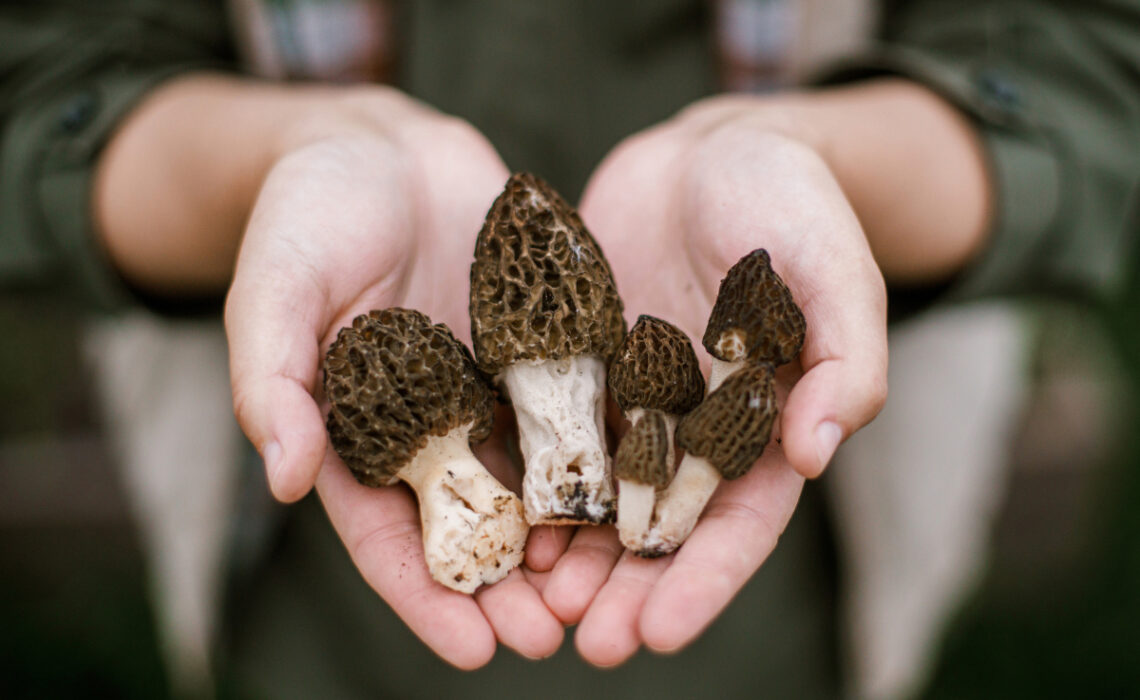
545	319
406	403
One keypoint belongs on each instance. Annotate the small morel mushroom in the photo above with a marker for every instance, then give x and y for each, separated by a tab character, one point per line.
406	403
545	320
754	326
722	438
754	318
655	379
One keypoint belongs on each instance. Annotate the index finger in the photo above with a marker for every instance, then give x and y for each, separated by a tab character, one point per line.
844	360
274	356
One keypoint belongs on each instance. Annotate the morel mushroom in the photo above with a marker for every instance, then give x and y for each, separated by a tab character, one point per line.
407	402
755	325
545	319
754	318
655	379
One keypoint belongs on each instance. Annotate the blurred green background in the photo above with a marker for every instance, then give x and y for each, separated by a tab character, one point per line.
1057	615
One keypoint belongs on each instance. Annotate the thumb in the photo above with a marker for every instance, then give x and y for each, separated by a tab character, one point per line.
844	384
274	356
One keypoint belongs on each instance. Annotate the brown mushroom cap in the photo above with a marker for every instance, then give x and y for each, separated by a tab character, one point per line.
540	286
732	425
394	380
655	367
755	312
643	453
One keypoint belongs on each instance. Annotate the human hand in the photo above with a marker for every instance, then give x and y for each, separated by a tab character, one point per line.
674	208
375	202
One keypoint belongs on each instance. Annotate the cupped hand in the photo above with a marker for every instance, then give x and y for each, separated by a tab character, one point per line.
375	202
673	208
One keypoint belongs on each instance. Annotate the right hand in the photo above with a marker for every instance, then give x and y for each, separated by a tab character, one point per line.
375	203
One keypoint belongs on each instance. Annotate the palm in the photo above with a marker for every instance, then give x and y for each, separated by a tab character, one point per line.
673	211
339	229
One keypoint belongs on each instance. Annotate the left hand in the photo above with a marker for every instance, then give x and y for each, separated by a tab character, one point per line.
673	208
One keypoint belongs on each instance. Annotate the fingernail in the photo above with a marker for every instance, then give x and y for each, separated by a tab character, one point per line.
827	437
271	455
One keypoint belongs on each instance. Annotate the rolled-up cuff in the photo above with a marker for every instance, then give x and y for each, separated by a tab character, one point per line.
1024	165
50	151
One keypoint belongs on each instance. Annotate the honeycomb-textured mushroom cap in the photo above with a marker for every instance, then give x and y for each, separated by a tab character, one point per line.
655	367
644	451
754	316
732	425
540	286
394	379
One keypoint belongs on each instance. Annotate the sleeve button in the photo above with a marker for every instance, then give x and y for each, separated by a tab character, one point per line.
77	112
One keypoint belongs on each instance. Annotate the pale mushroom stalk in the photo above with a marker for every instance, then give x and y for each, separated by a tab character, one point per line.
722	438
560	409
636	500
721	370
680	506
655	379
682	502
461	509
406	404
754	325
545	319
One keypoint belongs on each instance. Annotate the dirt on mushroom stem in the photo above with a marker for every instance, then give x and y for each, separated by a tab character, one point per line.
474	531
754	325
545	319
560	409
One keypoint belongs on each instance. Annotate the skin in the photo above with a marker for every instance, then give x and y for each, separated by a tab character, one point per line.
316	204
342	201
798	176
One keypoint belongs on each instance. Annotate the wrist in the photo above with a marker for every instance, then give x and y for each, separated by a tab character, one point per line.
910	164
370	112
175	186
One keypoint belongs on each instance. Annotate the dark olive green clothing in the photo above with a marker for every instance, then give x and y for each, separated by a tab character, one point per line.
69	72
307	626
1053	87
556	85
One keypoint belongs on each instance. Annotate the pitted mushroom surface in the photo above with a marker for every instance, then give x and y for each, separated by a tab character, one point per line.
655	379
406	403
731	427
754	316
754	326
545	320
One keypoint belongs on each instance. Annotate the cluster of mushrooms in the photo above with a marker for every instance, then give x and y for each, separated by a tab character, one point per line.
408	398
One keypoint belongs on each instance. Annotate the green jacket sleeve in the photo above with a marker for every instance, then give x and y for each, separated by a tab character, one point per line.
1054	89
69	72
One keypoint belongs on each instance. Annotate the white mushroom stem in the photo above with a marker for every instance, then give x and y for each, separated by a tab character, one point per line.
635	499
634	511
473	527
682	503
560	408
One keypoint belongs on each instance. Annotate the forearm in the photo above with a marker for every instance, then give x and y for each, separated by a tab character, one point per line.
909	163
914	171
176	184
